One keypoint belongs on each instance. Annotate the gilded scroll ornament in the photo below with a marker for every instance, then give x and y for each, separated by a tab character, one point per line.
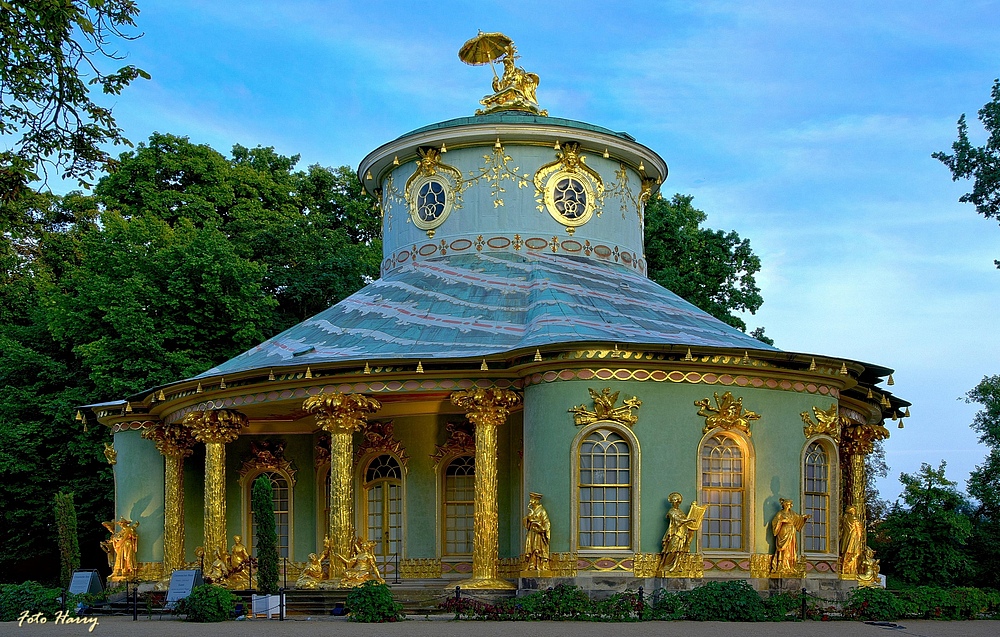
727	414
267	455
568	189
378	439
433	190
536	543
512	91
604	409
785	525
110	453
460	442
827	422
681	528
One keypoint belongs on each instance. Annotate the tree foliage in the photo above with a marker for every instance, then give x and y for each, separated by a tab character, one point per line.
979	163
709	268
923	540
265	535
179	261
52	52
984	484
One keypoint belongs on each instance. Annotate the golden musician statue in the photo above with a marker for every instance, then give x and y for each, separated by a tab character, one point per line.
675	560
786	524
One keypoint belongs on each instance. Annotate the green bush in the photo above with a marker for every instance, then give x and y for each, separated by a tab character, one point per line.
778	606
564	602
28	596
729	601
874	604
924	602
666	606
966	603
372	602
620	607
208	603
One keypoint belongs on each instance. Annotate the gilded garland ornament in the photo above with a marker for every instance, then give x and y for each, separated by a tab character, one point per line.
569	189
727	414
604	409
827	422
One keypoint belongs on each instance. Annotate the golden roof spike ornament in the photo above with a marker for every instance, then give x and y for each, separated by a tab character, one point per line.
128	407
843	369
309	372
907	412
367	369
538	356
812	365
512	91
161	397
270	374
222	383
484	367
688	356
420	367
79	416
199	389
891	381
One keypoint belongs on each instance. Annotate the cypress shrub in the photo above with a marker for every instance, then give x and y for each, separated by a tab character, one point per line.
69	543
262	505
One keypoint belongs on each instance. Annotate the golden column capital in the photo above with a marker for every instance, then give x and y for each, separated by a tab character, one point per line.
861	438
216	425
487	409
340	415
215	428
173	440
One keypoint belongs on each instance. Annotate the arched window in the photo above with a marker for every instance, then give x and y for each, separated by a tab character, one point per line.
459	503
383	487
281	499
816	468
723	488
604	491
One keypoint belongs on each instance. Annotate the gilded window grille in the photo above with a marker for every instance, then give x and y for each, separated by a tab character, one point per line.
605	492
816	534
723	491
459	505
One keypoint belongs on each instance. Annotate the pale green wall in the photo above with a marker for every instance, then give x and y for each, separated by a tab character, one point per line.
669	431
139	491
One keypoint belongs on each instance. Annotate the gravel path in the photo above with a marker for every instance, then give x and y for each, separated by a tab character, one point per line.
442	627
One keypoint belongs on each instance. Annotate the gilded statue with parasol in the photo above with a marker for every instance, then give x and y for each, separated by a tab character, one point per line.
512	91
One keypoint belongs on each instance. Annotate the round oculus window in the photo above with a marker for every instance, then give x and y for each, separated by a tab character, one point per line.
431	200
569	198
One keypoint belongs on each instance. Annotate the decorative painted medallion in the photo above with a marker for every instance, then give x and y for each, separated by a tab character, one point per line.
727	414
433	190
604	409
568	188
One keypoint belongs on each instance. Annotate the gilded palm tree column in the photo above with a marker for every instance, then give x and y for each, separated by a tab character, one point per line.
856	442
215	428
487	409
175	442
340	415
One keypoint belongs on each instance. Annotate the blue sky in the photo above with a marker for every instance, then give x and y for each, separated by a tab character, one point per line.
806	127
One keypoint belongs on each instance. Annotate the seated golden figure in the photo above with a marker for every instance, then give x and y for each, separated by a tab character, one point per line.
312	574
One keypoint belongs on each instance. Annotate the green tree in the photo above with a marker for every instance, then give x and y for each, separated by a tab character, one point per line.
69	543
52	51
984	484
924	539
979	163
265	535
709	268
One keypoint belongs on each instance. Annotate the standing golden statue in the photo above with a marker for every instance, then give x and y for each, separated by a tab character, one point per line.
786	524
677	540
512	91
852	541
121	548
536	544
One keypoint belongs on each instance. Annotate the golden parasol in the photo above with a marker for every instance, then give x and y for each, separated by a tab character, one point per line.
484	48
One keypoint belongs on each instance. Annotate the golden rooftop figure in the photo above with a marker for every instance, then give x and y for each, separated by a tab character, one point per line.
512	91
508	349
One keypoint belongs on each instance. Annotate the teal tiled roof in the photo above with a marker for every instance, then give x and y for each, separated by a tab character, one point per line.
477	305
517	117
